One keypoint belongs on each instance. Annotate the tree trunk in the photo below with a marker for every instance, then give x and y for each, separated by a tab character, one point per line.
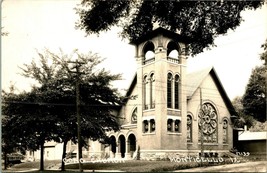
6	160
42	157
64	155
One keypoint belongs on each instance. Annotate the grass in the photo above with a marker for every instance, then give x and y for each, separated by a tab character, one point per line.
128	166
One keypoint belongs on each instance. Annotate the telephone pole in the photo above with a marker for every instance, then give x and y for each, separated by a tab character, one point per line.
201	124
78	110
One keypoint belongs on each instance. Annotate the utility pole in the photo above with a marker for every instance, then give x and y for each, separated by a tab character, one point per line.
78	111
201	124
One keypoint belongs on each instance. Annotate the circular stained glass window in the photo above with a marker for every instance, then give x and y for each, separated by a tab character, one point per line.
208	122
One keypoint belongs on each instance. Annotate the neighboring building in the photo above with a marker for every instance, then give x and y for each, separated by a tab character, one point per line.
252	143
52	151
162	113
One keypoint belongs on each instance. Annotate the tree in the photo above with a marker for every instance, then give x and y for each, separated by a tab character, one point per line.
254	99
56	94
264	54
242	119
201	21
27	121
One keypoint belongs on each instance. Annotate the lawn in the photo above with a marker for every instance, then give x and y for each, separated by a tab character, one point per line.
128	166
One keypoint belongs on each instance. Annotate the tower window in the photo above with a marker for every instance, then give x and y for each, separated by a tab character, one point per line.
169	125
146	92
152	125
177	126
152	91
149	52
172	52
169	91
176	92
145	125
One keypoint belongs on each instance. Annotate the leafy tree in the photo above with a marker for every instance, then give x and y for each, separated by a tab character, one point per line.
201	21
264	54
254	99
28	121
243	119
56	94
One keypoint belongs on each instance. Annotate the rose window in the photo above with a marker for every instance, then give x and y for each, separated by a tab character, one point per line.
208	123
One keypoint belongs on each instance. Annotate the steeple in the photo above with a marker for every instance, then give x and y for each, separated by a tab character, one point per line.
161	67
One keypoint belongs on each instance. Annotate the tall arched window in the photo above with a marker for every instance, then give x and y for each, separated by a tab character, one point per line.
169	90
189	128
176	92
208	123
146	92
152	91
225	131
134	116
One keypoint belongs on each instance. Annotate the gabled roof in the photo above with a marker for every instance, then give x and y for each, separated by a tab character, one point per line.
194	80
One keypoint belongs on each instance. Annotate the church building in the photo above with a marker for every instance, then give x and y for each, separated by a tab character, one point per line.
167	111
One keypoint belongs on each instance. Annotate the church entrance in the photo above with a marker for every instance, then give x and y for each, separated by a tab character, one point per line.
122	144
132	144
113	146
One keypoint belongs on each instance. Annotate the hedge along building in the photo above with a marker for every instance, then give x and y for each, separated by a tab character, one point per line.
162	113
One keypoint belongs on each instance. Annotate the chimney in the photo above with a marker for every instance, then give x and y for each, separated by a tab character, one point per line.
245	128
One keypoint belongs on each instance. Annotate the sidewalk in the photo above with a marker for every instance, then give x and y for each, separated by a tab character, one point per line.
259	166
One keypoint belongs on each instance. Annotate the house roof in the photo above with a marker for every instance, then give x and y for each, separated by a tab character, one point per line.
194	80
249	136
50	144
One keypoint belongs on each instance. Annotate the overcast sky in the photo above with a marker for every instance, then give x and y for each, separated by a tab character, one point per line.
50	24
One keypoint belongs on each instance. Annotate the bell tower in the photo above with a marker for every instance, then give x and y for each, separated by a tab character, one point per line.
161	81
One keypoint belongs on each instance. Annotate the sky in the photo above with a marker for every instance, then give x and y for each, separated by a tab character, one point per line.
36	25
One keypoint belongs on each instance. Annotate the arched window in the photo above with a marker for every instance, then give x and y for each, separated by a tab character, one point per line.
177	126
176	92
189	128
169	125
152	125
225	131
152	91
207	123
172	52
145	126
149	52
169	90
134	116
146	92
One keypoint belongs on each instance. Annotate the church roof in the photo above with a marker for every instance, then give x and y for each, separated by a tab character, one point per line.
160	31
195	79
